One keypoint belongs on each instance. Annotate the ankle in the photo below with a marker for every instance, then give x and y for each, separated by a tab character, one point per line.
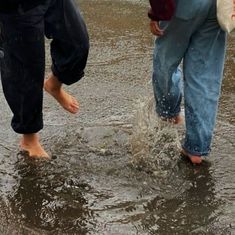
174	120
30	139
52	83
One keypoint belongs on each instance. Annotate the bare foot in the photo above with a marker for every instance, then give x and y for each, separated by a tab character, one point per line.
54	87
197	160
30	143
178	120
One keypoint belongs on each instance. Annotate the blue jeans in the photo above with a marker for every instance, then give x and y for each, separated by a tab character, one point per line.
193	38
23	65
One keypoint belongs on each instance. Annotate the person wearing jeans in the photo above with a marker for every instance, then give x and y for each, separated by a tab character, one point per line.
193	37
24	23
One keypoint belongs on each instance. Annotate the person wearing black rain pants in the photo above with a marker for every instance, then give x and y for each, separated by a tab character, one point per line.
24	23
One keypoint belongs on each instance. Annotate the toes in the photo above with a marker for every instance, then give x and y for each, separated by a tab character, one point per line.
75	102
74	105
40	156
73	109
34	153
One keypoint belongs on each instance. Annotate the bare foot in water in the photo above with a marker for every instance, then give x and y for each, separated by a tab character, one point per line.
178	120
30	143
197	160
54	87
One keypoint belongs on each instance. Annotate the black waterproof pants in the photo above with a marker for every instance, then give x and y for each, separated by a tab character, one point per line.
23	65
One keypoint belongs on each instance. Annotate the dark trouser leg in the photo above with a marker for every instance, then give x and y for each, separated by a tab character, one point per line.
70	44
22	69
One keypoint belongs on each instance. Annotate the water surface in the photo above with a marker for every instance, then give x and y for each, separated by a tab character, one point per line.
116	169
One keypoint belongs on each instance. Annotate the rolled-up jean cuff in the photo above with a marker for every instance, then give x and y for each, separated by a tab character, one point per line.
67	78
28	129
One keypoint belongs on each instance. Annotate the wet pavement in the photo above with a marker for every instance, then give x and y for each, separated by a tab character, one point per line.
116	169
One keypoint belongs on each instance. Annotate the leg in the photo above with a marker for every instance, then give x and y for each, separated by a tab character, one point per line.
182	38
203	68
169	51
166	74
69	50
23	74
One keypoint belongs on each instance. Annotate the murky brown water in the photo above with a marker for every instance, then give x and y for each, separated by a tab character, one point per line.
97	182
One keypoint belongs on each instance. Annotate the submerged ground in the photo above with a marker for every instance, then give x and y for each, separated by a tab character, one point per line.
116	169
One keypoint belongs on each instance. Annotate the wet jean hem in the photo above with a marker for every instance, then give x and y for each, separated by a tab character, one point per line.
195	153
67	78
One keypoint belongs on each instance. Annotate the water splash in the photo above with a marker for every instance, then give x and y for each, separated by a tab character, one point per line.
154	143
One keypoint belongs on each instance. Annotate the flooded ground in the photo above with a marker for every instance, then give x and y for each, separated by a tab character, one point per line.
115	169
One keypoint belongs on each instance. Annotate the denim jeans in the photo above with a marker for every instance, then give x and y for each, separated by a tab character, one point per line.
23	65
193	38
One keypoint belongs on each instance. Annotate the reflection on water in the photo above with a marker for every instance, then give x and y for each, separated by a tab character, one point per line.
116	172
178	214
45	200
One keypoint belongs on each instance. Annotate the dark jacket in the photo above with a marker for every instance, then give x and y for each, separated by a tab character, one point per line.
9	6
161	9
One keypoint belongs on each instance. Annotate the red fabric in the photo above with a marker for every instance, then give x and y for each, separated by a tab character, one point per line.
161	9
